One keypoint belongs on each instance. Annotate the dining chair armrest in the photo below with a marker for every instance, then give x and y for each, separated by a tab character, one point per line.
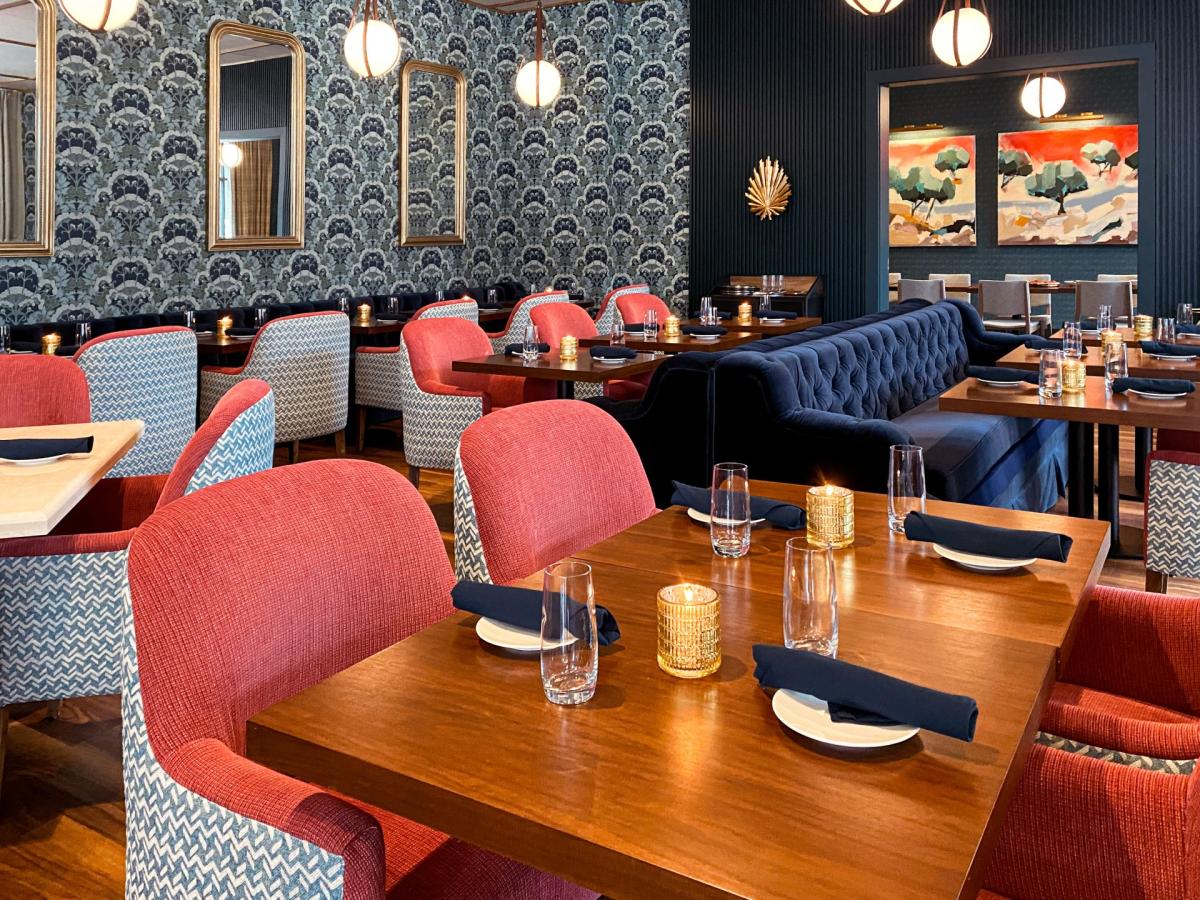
212	770
1141	646
66	544
223	370
395	349
439	389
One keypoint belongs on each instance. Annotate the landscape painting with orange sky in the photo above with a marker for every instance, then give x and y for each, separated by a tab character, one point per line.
931	196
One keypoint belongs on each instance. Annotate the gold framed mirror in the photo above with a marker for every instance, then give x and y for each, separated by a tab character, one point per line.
433	157
256	137
27	128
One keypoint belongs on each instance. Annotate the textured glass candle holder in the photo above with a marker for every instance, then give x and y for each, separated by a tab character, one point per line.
830	517
1111	337
1074	376
50	344
1143	327
745	312
364	313
671	327
223	325
689	630
568	348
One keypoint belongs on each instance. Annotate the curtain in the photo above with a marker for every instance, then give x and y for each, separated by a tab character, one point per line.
12	168
251	184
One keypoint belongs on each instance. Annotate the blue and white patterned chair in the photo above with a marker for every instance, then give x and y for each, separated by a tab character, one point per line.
609	314
61	595
518	319
150	375
305	359
1172	516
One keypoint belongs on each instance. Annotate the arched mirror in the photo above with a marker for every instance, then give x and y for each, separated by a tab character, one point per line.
255	139
27	29
433	155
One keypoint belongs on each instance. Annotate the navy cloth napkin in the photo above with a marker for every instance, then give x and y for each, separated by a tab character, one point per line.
242	332
1187	329
520	607
1089	325
777	314
864	695
1164	349
780	514
987	540
1153	385
613	353
635	327
518	349
1040	343
704	329
995	373
40	448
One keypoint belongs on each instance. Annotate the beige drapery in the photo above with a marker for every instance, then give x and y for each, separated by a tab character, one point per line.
12	168
251	187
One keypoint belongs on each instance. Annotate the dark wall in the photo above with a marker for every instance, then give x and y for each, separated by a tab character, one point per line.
790	80
986	107
256	95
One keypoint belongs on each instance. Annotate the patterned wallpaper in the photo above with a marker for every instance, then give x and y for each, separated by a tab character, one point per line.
590	193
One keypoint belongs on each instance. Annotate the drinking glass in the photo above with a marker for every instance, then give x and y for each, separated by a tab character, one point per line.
729	510
1183	315
5	338
906	484
393	307
344	305
1050	374
1104	318
617	335
1073	340
442	296
83	333
491	297
766	284
189	319
1166	331
1116	363
765	306
530	351
810	618
650	324
570	645
706	311
260	316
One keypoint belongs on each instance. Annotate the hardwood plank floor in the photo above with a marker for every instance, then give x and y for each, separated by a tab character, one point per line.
62	820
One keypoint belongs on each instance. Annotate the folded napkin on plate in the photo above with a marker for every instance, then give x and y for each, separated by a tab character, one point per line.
242	332
635	328
1187	329
704	329
777	314
1164	349
721	314
613	353
995	373
778	513
40	448
1089	325
987	540
866	697
1040	343
1153	385
518	349
520	607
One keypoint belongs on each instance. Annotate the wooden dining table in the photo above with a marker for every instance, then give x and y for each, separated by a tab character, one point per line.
680	343
765	329
564	374
1141	365
34	499
669	788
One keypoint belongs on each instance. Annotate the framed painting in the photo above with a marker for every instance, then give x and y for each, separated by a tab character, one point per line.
931	192
1068	186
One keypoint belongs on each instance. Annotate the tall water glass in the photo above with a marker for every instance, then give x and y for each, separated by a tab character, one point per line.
83	333
650	324
1166	331
1116	363
5	338
1050	374
706	311
189	319
344	305
906	484
393	307
810	616
765	306
729	510
442	296
570	645
260	316
1073	340
1104	318
491	297
1184	314
616	336
530	351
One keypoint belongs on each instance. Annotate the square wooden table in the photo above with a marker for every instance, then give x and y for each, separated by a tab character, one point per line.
34	499
766	329
1092	338
667	788
680	344
1140	364
564	374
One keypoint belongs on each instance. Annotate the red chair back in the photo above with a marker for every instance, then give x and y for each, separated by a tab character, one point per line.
42	390
555	321
433	346
633	308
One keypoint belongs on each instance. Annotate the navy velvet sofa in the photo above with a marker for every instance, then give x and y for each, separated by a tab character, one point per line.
828	410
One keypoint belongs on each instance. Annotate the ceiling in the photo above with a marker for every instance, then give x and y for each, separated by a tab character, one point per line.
18	45
520	6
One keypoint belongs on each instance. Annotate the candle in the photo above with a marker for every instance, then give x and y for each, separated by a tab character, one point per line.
1110	337
568	348
1074	375
223	325
689	630
50	343
1143	326
831	516
364	313
745	312
671	327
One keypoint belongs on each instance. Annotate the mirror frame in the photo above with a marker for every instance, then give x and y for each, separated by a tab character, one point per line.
294	240
43	240
459	237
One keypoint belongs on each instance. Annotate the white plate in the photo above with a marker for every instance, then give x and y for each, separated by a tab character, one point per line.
202	332
242	337
507	637
705	519
976	563
1187	337
705	337
1151	395
1173	357
610	362
1001	384
41	461
810	717
771	321
387	321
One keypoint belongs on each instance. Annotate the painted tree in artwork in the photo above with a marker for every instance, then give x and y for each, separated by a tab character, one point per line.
939	193
1132	160
1057	181
910	187
1102	154
951	160
1013	164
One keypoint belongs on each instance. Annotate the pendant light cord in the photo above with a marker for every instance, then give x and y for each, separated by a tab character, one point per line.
539	24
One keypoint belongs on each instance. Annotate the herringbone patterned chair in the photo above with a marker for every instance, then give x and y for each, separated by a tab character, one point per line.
305	359
202	820
149	374
521	503
60	595
514	331
42	390
1172	516
609	313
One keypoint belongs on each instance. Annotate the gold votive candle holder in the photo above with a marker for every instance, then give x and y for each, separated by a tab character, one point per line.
1143	326
1074	375
223	325
831	516
1110	337
689	630
364	313
746	312
671	327
51	343
568	348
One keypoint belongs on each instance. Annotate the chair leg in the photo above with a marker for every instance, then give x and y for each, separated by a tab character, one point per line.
362	429
1156	582
293	453
339	442
414	475
54	709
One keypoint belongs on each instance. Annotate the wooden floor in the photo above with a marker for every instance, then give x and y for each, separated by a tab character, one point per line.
61	814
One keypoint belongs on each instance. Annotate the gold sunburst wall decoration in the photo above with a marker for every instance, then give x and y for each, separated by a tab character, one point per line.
770	189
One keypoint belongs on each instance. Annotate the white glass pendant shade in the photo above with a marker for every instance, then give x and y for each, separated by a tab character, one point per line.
538	83
372	48
962	34
99	15
231	155
1043	96
874	7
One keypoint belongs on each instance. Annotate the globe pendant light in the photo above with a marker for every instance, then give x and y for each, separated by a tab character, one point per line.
874	7
963	33
231	155
538	81
99	15
372	46
1043	96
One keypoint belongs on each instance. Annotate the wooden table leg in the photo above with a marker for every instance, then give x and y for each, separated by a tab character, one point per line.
1110	500
566	390
1143	440
1081	476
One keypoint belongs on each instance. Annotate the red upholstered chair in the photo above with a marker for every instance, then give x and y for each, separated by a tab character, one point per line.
554	321
439	402
633	308
539	482
42	390
609	313
514	331
277	617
